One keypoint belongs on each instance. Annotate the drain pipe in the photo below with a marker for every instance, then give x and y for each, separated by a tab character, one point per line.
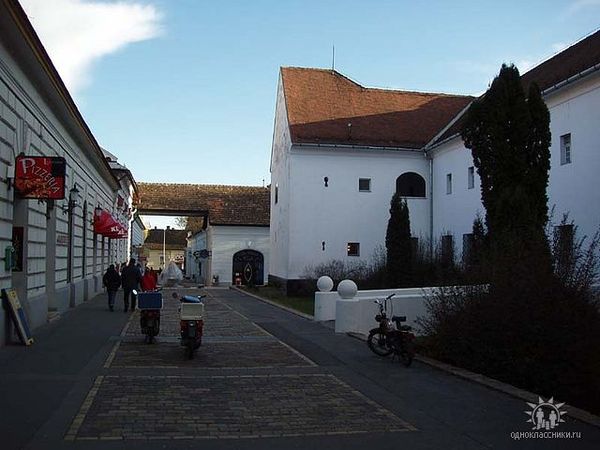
430	158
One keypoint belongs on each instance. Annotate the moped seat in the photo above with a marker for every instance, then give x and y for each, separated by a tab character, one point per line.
399	318
190	299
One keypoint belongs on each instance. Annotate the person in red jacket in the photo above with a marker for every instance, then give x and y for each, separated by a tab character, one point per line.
148	282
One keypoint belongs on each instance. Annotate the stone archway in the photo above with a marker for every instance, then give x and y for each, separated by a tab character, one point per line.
249	264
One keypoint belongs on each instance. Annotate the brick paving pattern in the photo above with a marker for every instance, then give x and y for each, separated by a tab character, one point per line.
147	407
271	353
280	403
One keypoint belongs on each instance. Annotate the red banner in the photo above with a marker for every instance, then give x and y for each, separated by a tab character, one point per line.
40	177
106	225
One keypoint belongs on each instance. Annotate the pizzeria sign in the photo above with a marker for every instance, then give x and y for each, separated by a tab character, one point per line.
40	177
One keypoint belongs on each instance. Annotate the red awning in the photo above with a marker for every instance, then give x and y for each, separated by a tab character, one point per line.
106	225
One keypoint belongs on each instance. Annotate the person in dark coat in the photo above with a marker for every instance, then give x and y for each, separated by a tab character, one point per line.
130	278
111	281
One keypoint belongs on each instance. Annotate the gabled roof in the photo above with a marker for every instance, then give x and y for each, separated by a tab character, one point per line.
224	205
325	107
172	238
578	58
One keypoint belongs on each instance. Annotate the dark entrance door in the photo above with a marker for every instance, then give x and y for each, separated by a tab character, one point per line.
249	266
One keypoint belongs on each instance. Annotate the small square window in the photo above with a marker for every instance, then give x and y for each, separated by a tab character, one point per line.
565	149
353	249
471	178
449	183
364	184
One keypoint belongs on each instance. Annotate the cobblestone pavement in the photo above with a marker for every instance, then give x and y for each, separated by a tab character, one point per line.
172	405
231	407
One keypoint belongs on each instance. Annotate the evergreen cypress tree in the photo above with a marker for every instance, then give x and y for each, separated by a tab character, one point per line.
398	244
509	136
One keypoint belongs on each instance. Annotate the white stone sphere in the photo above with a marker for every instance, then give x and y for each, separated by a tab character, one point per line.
347	289
324	284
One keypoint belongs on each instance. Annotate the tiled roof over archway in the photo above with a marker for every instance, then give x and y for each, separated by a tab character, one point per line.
224	205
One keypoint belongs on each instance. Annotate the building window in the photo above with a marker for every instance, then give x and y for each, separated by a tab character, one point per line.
471	177
449	183
353	249
364	184
467	252
447	253
410	184
565	149
276	193
564	241
414	246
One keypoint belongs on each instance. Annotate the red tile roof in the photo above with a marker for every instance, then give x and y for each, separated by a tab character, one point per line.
571	61
324	106
579	57
224	205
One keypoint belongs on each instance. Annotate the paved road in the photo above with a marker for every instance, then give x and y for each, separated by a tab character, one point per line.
264	378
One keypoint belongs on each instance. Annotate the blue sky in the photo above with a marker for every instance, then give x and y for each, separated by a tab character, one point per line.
184	90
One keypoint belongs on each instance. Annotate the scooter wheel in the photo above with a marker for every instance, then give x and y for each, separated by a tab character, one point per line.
189	351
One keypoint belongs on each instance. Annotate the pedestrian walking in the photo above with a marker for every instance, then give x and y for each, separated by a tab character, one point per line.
111	281
130	279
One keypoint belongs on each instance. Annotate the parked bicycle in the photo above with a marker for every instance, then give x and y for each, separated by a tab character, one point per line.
391	337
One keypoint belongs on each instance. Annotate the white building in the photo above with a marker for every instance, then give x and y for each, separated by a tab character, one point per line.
341	150
234	232
60	257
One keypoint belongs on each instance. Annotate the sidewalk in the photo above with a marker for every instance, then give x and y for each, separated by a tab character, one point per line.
36	381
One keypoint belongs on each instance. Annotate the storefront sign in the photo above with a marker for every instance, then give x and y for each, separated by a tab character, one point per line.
62	239
40	177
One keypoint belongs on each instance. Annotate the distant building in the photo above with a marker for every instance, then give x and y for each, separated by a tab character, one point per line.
341	150
234	234
163	246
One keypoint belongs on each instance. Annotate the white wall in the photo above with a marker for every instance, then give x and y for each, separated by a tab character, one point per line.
280	180
340	213
225	241
31	123
454	213
196	268
575	187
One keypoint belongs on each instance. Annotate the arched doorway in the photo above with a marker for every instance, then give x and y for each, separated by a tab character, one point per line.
249	265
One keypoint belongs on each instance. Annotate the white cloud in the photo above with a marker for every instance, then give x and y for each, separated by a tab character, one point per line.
77	33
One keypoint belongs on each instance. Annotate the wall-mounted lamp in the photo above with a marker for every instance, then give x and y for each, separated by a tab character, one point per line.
97	211
72	200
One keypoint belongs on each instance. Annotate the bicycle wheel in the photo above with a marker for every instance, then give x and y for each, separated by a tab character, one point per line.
378	343
407	352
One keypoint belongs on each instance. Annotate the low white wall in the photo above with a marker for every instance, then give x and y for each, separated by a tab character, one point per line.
357	315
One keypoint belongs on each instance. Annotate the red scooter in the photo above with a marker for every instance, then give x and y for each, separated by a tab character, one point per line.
149	304
191	321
